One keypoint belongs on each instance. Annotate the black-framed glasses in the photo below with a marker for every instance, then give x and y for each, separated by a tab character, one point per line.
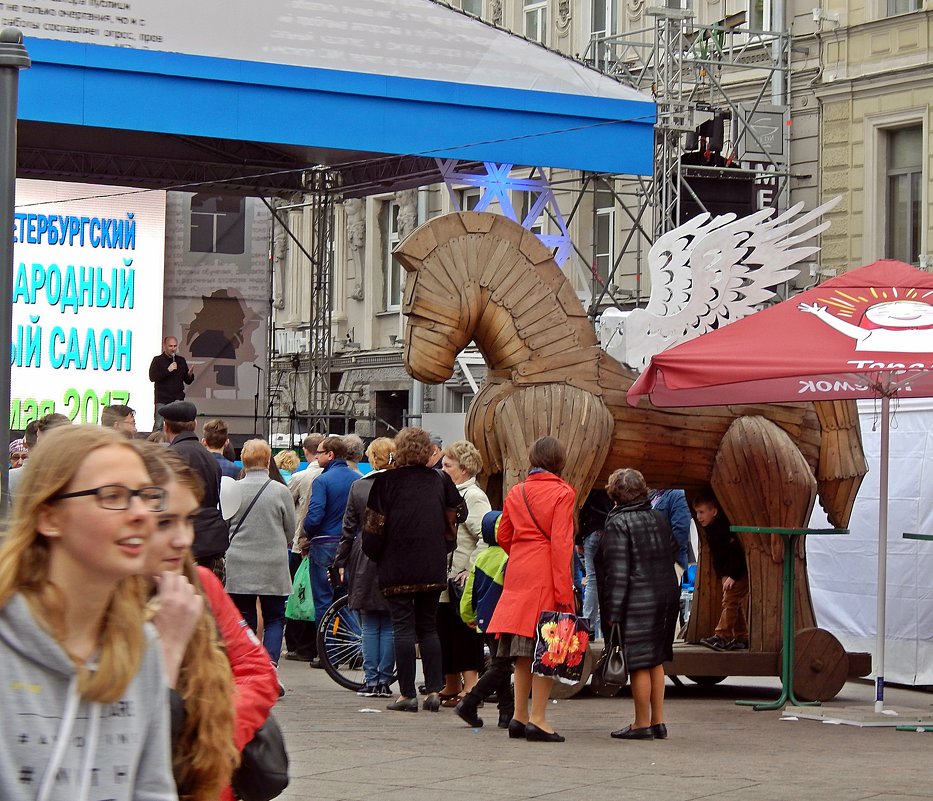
116	497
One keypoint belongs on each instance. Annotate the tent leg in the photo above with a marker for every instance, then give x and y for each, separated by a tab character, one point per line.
882	552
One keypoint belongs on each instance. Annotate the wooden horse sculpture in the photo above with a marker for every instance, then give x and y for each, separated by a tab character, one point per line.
481	277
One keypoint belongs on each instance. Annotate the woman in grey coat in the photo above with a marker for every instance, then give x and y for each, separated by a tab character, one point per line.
260	536
361	575
638	590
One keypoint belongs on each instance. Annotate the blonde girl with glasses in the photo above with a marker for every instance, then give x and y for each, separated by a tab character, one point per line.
83	691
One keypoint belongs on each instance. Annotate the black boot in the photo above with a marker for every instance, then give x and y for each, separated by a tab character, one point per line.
466	710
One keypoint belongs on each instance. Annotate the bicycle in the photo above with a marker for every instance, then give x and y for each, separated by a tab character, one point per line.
340	644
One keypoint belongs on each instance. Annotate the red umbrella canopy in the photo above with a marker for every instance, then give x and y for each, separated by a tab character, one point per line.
863	334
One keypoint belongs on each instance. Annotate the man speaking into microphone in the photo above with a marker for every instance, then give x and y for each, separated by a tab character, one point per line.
169	373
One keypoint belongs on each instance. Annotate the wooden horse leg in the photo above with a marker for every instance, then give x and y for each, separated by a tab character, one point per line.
575	417
761	479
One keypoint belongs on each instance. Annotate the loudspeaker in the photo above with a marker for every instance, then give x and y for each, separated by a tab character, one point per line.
720	192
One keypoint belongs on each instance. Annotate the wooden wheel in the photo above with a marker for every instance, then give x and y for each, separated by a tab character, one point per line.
821	665
561	690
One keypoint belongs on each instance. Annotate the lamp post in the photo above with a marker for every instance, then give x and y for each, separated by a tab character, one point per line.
13	58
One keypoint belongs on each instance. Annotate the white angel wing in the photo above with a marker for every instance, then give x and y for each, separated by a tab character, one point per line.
711	271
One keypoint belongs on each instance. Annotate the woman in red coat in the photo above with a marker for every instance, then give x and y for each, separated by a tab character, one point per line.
536	530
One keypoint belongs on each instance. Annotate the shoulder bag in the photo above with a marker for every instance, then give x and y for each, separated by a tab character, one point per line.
263	771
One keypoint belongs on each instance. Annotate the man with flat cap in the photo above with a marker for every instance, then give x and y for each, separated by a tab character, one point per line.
211	533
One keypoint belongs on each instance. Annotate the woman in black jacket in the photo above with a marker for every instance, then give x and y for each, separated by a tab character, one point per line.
411	525
638	591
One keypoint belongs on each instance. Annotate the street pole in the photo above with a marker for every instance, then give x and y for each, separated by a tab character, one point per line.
13	58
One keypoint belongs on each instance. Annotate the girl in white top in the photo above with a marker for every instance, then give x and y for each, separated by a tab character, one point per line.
83	691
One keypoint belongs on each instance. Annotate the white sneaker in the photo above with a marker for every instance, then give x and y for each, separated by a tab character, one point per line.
281	683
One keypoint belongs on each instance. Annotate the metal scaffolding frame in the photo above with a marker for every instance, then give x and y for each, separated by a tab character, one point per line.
288	373
692	71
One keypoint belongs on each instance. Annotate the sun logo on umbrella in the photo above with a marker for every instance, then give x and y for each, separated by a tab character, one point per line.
882	319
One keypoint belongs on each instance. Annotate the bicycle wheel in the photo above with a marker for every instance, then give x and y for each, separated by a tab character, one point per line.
340	644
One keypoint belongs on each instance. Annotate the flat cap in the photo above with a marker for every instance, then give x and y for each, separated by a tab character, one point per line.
436	440
179	412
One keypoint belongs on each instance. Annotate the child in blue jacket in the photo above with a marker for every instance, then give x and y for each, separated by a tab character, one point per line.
480	596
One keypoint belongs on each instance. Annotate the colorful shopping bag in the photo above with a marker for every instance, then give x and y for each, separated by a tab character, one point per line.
561	640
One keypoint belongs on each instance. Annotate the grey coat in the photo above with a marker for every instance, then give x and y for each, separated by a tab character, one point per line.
636	583
362	573
257	559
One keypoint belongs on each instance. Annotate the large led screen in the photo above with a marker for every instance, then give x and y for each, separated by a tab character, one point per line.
87	300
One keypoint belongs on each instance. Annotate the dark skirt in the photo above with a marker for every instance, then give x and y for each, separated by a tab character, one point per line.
461	646
512	646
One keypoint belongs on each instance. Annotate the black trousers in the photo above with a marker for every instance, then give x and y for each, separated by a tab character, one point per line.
414	619
461	646
300	635
497	679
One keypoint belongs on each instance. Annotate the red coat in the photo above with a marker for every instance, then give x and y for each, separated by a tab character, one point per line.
254	677
538	575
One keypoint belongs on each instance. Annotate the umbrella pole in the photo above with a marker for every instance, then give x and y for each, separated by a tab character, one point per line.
882	552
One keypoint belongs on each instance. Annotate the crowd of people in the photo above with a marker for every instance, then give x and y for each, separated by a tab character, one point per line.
124	581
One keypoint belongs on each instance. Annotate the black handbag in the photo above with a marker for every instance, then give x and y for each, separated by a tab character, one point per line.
263	771
455	591
610	674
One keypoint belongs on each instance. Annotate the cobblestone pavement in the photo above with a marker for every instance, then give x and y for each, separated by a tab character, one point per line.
716	750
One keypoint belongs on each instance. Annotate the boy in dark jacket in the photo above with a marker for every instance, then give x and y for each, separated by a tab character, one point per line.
480	596
728	556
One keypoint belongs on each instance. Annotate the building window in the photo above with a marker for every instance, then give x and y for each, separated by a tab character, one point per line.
759	15
536	20
604	17
903	194
537	225
468	198
474	7
603	236
903	6
391	269
218	224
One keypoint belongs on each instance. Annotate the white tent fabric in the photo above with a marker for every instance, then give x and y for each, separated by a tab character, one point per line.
843	571
417	39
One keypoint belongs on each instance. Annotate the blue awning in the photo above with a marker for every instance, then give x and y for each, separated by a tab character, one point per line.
449	87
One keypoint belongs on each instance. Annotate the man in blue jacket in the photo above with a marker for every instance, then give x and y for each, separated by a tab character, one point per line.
672	503
324	521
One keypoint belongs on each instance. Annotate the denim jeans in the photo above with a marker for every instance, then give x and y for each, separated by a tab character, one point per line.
590	600
414	617
273	619
322	557
378	647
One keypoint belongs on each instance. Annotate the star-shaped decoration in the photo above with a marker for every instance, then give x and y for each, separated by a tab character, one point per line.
497	184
